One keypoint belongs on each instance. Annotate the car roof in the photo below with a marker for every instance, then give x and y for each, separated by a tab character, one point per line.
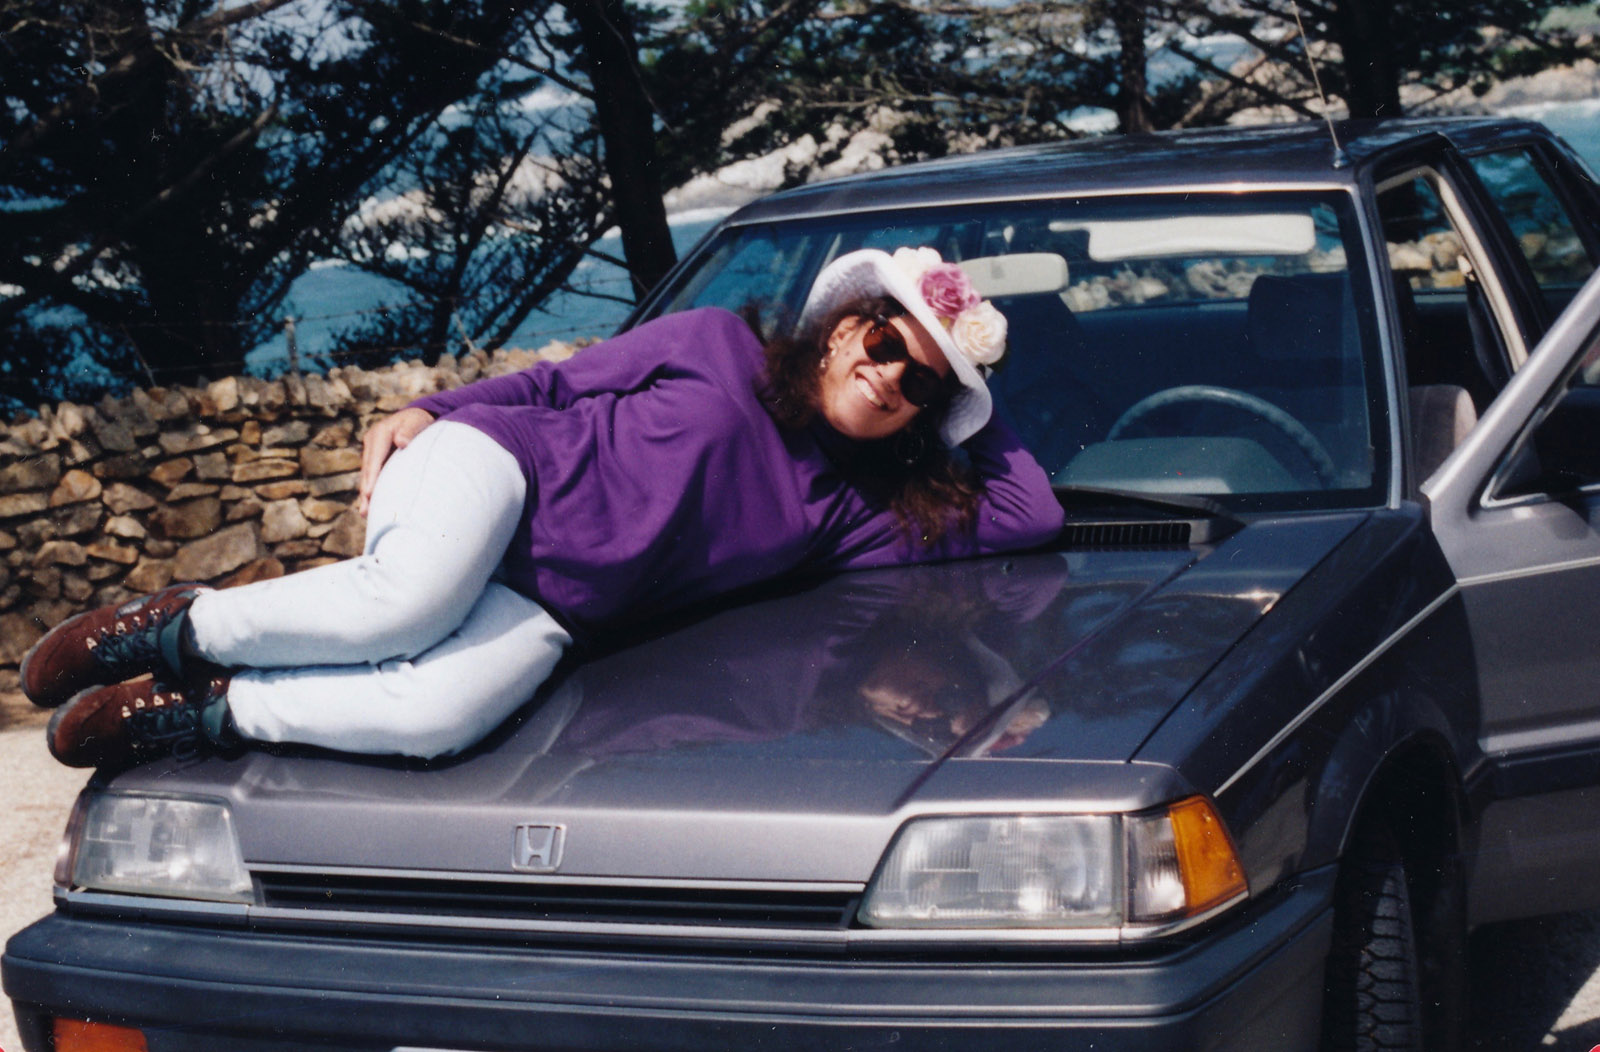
1283	155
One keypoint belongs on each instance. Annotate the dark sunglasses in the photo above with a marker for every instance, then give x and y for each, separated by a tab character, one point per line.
919	384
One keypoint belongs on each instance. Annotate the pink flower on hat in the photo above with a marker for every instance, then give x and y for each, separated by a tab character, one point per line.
948	290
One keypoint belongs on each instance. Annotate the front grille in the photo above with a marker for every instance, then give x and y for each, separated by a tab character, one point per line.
815	910
1127	534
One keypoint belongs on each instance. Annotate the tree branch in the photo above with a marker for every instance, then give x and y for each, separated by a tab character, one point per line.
232	16
146	49
81	99
549	73
81	263
1240	82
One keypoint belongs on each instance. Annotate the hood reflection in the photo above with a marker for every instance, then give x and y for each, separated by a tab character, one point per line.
919	657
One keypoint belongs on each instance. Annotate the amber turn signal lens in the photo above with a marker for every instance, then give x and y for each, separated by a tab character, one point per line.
1210	867
74	1035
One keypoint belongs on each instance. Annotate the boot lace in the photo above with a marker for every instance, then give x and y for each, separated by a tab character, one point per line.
172	728
131	641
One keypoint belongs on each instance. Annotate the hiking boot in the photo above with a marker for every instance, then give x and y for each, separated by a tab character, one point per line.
128	723
109	645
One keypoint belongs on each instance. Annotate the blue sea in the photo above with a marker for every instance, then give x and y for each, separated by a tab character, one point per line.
329	296
1576	122
324	300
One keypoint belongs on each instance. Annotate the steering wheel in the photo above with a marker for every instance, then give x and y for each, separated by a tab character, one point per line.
1316	454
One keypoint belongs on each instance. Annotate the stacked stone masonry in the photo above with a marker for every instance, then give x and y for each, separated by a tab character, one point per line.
240	480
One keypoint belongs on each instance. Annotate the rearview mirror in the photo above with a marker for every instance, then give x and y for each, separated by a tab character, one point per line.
1019	274
1262	234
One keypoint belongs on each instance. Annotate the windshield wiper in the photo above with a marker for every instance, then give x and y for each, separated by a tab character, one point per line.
1216	521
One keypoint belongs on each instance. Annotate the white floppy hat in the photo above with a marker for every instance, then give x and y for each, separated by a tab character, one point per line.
969	331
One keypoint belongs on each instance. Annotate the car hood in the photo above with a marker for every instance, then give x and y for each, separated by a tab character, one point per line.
787	736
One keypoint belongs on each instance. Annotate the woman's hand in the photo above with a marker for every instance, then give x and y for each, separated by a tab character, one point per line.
393	432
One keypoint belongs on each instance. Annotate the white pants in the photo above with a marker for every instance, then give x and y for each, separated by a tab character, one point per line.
409	648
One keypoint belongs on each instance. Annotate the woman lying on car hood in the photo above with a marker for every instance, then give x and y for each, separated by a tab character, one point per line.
675	462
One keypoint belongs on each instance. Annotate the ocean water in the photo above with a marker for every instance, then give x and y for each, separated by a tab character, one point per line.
331	296
1576	122
325	300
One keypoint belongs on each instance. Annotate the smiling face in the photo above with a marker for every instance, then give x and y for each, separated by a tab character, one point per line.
861	398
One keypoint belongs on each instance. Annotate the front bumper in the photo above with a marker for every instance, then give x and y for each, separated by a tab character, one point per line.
1254	982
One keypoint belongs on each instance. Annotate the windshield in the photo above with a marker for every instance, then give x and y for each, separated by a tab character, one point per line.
1217	344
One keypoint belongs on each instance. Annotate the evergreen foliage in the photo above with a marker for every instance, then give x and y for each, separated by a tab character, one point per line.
169	167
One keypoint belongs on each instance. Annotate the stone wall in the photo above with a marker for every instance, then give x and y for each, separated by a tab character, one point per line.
240	480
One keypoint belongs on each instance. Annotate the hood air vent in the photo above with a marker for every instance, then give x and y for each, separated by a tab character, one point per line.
1127	534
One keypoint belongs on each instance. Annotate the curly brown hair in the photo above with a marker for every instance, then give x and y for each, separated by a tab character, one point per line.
912	473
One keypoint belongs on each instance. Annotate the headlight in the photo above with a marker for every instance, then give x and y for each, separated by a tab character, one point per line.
1124	872
177	847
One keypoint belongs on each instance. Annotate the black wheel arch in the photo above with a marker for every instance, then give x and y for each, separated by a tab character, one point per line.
1416	793
1418	789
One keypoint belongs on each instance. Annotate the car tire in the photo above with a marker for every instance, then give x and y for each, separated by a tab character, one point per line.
1373	990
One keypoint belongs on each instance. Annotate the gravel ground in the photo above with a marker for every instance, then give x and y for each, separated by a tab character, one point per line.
1535	984
38	793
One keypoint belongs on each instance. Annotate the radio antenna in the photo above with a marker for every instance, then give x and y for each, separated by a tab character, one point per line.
1327	114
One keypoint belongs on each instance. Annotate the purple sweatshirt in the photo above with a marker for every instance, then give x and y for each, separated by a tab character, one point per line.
656	477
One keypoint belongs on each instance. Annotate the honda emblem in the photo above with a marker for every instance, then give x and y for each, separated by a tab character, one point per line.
537	848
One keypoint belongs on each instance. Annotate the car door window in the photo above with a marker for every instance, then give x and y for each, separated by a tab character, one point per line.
1455	320
1559	454
1544	227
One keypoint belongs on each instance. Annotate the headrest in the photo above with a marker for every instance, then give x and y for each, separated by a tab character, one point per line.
1297	317
1441	416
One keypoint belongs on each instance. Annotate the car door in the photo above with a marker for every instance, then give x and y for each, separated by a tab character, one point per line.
1550	215
1516	510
